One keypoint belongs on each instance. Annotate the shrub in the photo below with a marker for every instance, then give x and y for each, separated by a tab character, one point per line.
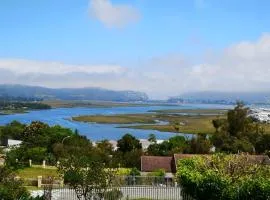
224	177
10	187
114	194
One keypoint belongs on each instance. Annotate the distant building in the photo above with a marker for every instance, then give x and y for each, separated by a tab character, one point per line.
8	143
168	163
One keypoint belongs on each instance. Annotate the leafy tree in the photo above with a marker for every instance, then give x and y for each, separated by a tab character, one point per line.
13	130
78	145
104	150
34	129
218	123
134	172
128	143
10	187
263	143
105	146
226	177
129	152
87	176
152	138
176	144
199	145
238	132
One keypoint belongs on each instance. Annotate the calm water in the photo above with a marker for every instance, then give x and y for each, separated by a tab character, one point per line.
62	116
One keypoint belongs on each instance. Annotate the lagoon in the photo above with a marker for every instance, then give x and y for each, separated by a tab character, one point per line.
62	116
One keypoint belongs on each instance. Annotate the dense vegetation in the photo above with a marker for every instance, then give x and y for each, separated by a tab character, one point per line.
224	177
207	177
18	106
235	133
23	105
239	132
10	187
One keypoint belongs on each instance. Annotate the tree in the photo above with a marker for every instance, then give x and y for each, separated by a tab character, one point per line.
263	143
10	187
199	145
152	138
105	151
13	130
176	144
128	143
105	146
129	152
87	176
238	132
218	123
226	177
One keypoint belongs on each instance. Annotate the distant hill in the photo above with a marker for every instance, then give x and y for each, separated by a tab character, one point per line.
222	97
98	94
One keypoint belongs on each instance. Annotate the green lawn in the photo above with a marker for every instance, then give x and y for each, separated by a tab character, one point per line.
34	172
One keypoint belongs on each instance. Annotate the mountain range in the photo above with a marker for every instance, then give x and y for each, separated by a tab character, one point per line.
97	94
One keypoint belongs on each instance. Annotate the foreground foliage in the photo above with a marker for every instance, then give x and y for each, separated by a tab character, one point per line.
224	177
87	176
10	187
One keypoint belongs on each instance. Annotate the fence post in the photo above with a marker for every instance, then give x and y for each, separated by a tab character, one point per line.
44	164
62	183
30	163
39	181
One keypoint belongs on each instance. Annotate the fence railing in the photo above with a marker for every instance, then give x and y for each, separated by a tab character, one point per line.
122	188
118	193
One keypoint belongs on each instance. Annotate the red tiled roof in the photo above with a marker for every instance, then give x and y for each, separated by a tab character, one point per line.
152	163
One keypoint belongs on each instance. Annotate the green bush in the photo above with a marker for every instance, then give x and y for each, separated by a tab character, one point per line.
224	177
113	195
158	172
10	187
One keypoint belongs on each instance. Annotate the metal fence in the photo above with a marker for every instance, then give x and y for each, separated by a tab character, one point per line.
123	188
120	193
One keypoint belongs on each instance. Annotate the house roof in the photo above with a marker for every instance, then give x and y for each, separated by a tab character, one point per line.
152	163
169	164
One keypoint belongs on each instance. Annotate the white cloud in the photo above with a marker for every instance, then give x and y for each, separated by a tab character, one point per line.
113	15
29	66
241	67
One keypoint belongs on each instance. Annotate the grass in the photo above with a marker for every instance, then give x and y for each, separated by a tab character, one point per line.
192	111
193	122
87	104
34	172
12	111
186	124
118	119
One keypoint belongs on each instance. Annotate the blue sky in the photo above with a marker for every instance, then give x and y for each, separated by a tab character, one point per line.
131	37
